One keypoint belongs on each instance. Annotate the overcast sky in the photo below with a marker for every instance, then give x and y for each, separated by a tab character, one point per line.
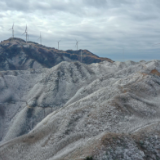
118	29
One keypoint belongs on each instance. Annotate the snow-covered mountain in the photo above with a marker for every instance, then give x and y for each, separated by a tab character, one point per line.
105	110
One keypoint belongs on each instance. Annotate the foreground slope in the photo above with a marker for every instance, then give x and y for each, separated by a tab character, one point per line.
106	110
16	54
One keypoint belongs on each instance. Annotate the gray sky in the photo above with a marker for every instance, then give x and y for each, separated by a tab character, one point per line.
117	29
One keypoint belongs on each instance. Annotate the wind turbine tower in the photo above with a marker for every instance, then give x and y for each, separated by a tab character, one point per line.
58	44
12	30
77	48
28	37
26	33
40	38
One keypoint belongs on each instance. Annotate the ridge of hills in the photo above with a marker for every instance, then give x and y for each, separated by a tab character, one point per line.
16	54
73	110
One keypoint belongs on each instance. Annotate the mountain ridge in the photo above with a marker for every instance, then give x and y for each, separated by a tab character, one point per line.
16	54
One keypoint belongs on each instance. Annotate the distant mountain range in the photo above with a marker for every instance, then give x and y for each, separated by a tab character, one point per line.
16	54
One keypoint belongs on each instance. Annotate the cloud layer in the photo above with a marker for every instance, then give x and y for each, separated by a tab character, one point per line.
121	30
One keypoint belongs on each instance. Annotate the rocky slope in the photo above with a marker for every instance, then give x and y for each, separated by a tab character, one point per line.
16	54
105	110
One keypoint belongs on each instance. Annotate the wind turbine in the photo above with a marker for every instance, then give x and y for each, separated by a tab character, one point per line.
40	38
77	48
26	33
58	44
12	30
76	43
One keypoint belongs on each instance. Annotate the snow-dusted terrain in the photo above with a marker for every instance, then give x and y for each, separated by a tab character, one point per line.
71	111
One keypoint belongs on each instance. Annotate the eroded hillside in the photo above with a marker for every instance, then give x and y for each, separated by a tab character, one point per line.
72	110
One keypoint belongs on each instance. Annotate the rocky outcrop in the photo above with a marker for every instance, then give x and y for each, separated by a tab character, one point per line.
16	54
73	110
